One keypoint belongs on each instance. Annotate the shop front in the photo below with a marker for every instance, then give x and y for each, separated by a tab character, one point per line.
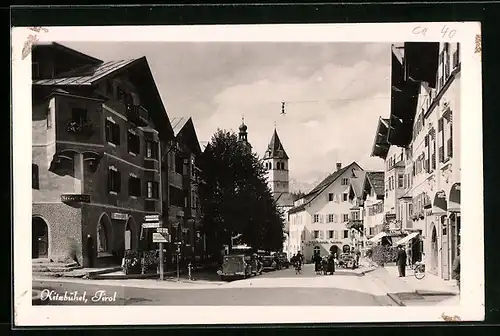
324	248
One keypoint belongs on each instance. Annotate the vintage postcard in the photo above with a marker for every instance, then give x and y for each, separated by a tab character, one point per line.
277	173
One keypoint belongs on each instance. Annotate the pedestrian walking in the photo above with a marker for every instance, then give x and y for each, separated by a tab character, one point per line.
456	268
317	263
401	261
331	264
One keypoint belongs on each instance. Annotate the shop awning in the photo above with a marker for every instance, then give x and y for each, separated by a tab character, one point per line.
377	237
406	239
454	203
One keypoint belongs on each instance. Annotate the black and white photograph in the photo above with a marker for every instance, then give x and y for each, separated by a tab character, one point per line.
264	174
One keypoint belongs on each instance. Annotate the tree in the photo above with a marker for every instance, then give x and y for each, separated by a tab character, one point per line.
235	198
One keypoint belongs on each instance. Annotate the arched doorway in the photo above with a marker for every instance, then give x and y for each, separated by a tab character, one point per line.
434	251
40	238
334	249
130	234
316	250
104	235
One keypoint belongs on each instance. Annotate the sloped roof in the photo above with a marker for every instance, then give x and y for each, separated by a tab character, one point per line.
85	75
284	199
377	181
63	48
357	183
309	197
275	149
178	124
184	128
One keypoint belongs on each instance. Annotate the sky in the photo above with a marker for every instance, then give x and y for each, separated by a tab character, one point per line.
334	95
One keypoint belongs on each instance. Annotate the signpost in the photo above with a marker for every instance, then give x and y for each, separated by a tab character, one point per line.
153	222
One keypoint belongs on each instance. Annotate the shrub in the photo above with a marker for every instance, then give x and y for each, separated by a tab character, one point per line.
383	254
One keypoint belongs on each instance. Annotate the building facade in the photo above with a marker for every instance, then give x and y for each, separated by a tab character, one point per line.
184	216
322	216
373	205
97	128
425	105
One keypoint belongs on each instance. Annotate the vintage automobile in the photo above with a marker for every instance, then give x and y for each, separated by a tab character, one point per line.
347	260
269	264
239	266
283	259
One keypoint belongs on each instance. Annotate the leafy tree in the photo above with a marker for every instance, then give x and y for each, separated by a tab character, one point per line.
235	198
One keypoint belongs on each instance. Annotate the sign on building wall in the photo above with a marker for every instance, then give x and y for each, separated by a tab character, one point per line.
119	216
75	198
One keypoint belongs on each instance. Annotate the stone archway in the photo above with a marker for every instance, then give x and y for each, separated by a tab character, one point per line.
39	238
434	251
131	234
334	249
104	235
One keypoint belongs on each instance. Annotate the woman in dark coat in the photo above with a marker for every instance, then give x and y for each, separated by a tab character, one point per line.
317	263
331	263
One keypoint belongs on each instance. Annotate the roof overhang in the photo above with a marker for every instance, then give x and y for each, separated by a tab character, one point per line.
421	61
188	135
380	146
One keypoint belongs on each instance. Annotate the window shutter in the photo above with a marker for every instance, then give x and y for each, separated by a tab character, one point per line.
321	234
118	181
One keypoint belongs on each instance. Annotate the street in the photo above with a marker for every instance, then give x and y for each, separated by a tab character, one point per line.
276	288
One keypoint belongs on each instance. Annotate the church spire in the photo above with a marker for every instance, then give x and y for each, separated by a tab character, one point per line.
243	134
275	149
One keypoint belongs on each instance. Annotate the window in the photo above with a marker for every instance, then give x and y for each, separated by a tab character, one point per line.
410	209
109	89
48	116
152	150
112	131
114	180
35	70
449	143
355	215
345	181
152	189
331	218
330	234
134	186
344	197
330	197
134	143
316	218
35	179
346	234
371	231
345	217
401	183
79	115
316	234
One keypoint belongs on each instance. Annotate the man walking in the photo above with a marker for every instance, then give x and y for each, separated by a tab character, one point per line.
401	261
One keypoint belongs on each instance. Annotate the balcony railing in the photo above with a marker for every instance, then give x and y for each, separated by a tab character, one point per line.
137	115
84	127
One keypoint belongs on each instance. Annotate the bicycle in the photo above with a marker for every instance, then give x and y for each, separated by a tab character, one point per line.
419	270
298	268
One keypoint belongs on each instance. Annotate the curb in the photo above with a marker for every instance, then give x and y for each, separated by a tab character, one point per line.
395	298
429	293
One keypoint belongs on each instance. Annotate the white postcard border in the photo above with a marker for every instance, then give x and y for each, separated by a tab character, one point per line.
471	306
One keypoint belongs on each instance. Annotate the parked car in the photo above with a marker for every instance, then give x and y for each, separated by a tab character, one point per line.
269	264
234	266
347	260
283	259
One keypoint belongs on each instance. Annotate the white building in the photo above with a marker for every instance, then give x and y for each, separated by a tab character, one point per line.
276	162
318	221
425	96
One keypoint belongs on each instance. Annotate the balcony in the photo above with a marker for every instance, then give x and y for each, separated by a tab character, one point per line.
175	179
137	115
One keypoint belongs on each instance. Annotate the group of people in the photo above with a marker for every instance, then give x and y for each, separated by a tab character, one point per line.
326	264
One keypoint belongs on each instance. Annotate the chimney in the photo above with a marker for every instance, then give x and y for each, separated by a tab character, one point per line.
339	166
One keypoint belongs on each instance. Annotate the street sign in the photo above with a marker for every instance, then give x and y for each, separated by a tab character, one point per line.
152	218
159	238
151	225
162	230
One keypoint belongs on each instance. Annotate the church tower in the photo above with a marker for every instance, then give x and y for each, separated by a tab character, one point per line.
243	134
276	163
